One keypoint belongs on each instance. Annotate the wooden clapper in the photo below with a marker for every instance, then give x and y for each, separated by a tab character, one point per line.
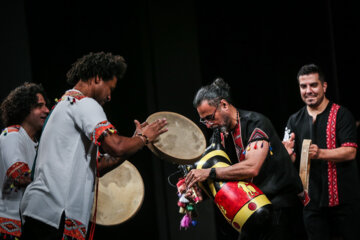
305	168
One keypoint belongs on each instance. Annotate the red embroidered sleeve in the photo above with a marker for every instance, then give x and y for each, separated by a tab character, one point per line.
349	144
102	129
10	227
13	128
17	169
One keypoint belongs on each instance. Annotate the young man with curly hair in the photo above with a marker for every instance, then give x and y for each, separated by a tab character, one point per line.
58	202
24	112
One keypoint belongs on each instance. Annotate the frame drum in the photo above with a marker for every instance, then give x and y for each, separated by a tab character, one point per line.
183	143
120	195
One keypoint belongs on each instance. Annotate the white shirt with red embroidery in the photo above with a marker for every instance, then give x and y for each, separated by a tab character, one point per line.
66	162
17	152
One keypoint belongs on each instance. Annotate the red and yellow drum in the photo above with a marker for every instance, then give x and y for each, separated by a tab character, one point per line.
241	203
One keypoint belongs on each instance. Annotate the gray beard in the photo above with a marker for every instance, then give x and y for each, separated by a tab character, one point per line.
224	130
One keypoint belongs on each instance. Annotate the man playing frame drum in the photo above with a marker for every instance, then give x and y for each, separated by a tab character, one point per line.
257	156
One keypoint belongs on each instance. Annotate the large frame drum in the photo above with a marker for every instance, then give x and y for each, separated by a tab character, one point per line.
120	195
183	143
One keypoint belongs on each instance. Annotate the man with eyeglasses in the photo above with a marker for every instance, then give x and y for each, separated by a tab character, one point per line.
257	155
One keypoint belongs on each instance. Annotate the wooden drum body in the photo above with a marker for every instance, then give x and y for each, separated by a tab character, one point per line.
242	204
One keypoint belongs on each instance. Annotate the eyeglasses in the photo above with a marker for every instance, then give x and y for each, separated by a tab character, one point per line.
209	118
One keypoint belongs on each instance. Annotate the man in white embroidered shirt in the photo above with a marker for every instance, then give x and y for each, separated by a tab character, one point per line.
62	190
23	112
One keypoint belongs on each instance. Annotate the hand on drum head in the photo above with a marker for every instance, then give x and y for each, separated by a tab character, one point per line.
196	175
154	129
139	127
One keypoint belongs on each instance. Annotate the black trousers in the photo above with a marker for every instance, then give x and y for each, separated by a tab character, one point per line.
284	224
340	222
34	229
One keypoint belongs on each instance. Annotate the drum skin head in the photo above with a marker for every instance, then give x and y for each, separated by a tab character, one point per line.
183	143
120	195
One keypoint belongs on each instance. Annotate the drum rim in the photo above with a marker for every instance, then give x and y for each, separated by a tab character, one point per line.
141	200
166	156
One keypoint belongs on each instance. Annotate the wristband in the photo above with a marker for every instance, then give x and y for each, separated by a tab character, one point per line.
212	174
293	152
146	141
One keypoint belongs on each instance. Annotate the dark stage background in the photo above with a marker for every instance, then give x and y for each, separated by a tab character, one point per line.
172	48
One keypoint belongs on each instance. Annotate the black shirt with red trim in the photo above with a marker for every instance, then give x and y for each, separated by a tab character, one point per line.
277	178
330	184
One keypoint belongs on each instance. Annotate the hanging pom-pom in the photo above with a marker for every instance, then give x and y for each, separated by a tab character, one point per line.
270	148
193	223
262	144
185	221
255	146
190	207
181	204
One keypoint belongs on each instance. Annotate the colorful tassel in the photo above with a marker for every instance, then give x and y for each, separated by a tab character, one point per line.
181	210
183	199
190	207
185	221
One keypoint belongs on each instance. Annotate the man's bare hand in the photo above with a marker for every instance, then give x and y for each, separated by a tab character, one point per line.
314	151
289	144
139	127
196	175
154	129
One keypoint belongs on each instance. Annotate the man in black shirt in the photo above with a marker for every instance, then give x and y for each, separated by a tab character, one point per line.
256	152
333	187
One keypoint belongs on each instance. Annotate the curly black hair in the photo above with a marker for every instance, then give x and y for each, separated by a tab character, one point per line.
19	103
104	65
